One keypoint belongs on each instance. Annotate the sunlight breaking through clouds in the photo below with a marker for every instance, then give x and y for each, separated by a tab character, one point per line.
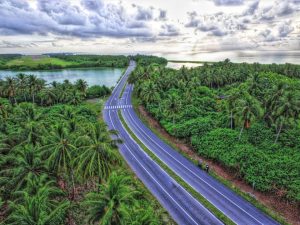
146	26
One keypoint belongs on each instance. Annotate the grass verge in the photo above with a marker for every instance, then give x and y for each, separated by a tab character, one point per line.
187	187
161	212
231	186
123	89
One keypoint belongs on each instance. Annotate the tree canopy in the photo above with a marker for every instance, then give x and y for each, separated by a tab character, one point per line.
244	116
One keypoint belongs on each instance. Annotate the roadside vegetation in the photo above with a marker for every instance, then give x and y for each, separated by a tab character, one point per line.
244	116
60	61
177	178
58	163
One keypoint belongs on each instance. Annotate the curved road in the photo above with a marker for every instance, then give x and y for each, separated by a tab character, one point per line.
183	208
236	208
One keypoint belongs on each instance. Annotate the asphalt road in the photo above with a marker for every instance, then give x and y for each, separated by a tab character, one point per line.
233	206
181	205
183	208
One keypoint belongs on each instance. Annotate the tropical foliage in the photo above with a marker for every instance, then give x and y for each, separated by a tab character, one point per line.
24	88
58	163
244	116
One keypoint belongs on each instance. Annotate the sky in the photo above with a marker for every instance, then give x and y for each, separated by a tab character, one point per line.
163	27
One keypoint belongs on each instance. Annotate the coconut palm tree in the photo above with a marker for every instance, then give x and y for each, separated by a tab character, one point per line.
22	84
232	100
25	164
47	97
97	153
150	92
247	108
38	209
60	152
174	105
272	101
81	86
287	110
75	97
110	206
33	84
143	216
10	87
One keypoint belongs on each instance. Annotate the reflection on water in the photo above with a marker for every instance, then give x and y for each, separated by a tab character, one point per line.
93	76
178	65
266	57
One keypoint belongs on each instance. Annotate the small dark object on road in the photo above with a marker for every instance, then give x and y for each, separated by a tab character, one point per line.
206	168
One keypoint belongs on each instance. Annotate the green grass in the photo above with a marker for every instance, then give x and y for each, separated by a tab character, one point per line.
123	89
42	60
187	187
230	185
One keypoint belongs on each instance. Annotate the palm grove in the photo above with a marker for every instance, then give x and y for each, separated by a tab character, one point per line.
58	163
244	116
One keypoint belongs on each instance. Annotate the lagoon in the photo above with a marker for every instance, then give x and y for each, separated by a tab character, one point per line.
93	76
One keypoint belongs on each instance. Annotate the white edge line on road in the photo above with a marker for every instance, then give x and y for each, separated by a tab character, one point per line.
149	172
169	175
192	172
118	83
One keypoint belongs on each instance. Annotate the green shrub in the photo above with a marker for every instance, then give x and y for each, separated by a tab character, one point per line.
98	91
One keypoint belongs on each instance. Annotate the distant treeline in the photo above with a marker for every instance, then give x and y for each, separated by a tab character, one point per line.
145	60
4	58
96	60
62	61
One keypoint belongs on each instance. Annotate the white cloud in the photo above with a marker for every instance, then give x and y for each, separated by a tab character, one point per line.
229	23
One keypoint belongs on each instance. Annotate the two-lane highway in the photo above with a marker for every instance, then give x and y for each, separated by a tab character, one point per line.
176	200
236	208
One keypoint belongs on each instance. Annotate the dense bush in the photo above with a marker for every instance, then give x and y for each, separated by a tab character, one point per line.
52	170
244	116
97	91
95	60
145	60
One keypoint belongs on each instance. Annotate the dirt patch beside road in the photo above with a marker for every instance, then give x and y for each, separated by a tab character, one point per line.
290	212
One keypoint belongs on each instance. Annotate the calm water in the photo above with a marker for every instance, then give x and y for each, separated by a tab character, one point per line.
238	56
178	65
93	76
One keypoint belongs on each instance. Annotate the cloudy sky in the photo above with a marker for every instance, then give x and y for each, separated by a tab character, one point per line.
166	27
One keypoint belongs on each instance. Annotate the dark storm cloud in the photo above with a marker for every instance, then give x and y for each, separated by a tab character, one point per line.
251	8
62	12
92	5
228	2
144	13
268	36
285	28
92	18
19	4
285	8
169	30
279	9
193	19
219	32
17	20
162	14
7	44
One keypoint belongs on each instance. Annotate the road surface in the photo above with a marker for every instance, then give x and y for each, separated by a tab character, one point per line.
183	208
233	206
